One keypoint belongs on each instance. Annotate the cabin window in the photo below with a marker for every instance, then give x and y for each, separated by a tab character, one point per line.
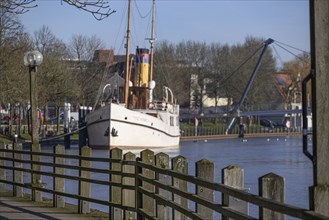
152	114
171	121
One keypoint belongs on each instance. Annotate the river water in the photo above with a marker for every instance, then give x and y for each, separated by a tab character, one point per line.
257	156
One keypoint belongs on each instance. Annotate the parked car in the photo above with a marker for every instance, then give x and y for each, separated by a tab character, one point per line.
267	123
54	119
5	120
61	117
271	124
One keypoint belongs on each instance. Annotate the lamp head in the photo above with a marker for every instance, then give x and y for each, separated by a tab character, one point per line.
33	58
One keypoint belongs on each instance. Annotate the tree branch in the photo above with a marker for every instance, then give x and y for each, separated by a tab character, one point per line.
17	6
100	9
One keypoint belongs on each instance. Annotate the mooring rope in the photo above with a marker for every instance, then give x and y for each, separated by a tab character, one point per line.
62	135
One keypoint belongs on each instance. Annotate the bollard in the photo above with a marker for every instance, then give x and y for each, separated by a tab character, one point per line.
67	138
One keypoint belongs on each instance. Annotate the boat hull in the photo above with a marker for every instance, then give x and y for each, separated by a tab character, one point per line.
115	126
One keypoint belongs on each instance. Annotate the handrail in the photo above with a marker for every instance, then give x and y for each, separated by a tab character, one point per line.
141	180
310	76
236	193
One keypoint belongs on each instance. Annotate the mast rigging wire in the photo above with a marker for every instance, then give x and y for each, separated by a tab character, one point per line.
277	54
138	39
119	31
243	63
140	14
291	52
295	48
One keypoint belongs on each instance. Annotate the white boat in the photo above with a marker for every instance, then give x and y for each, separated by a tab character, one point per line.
135	119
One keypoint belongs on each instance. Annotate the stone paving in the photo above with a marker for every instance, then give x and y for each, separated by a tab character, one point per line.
20	208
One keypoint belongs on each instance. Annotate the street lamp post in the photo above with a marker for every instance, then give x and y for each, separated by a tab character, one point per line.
32	59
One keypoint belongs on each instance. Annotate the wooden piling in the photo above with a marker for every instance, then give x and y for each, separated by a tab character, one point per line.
271	186
148	203
128	196
2	171
233	176
115	191
180	165
84	206
59	183
205	170
162	161
18	175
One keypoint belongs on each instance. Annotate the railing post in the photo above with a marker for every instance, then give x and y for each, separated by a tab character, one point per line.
18	175
138	183
128	196
82	123
271	186
36	178
2	171
162	161
180	165
233	176
148	203
205	170
115	191
59	183
84	206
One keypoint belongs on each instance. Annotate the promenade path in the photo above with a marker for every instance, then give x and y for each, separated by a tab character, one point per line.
24	209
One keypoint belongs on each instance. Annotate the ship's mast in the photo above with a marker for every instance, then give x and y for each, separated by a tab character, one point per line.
152	42
127	58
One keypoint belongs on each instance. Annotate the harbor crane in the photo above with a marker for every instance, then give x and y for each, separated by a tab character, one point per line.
235	113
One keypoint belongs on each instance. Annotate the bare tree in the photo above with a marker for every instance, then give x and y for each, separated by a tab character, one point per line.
88	73
55	78
299	66
297	69
82	48
77	47
13	44
219	68
220	71
44	39
100	9
170	71
10	28
262	90
194	57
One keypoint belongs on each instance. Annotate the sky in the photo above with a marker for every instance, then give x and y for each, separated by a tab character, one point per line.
210	21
